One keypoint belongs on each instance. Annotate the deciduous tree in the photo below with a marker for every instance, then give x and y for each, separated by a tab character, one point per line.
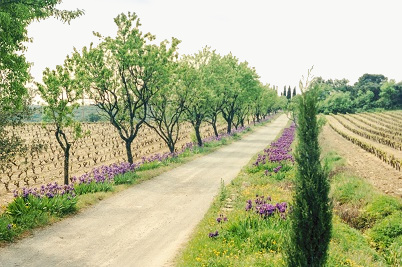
61	94
123	73
199	95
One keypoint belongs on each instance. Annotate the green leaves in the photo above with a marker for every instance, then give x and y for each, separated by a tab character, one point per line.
61	93
124	73
15	16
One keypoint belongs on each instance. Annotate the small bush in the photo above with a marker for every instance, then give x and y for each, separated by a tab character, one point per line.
58	205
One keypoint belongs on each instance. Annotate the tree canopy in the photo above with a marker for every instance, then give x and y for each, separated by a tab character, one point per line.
369	92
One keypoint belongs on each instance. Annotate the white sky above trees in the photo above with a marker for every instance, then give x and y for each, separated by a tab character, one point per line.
282	39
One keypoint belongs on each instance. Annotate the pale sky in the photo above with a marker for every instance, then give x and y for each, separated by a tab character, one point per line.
281	39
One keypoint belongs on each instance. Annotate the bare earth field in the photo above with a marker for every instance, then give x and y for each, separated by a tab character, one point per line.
145	225
363	164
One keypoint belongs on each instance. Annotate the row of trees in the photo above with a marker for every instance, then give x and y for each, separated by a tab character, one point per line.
134	81
288	93
369	92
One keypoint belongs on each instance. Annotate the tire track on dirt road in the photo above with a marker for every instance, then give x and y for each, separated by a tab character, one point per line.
146	224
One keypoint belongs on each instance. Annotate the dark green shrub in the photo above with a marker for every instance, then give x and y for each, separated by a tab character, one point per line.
311	216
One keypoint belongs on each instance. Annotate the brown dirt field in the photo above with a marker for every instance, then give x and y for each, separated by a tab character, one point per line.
363	164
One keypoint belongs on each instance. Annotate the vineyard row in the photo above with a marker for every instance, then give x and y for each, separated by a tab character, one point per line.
382	140
384	156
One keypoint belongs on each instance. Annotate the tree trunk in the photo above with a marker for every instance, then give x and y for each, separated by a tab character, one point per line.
198	135
215	129
229	126
66	162
129	152
171	147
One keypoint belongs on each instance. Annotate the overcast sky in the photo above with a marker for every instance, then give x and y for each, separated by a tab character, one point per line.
281	39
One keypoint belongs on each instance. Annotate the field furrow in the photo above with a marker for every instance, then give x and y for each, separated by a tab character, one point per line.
370	129
375	125
384	152
379	139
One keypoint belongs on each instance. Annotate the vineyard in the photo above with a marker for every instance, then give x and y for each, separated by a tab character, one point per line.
378	133
102	147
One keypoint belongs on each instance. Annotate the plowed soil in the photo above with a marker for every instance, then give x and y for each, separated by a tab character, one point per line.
363	164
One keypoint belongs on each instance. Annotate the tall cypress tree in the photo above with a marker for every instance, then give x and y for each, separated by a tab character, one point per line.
294	92
289	94
284	91
312	210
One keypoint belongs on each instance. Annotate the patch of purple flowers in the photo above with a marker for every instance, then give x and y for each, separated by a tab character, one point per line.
104	174
223	135
158	157
265	209
221	219
279	150
50	190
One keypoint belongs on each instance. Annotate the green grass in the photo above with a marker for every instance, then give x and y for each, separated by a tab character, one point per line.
375	216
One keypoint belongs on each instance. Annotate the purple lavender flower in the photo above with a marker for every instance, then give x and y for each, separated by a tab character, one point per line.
280	149
249	205
212	235
265	209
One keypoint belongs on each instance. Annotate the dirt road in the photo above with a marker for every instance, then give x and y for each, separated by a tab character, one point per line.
146	224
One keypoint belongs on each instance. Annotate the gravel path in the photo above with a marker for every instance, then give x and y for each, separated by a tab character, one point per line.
145	225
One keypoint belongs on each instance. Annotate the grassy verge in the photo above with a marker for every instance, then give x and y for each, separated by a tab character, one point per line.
33	208
366	223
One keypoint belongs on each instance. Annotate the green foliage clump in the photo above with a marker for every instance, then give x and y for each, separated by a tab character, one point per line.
93	187
386	236
381	207
370	92
352	190
30	211
126	178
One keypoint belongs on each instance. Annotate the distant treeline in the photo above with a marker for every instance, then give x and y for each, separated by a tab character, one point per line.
86	113
371	91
